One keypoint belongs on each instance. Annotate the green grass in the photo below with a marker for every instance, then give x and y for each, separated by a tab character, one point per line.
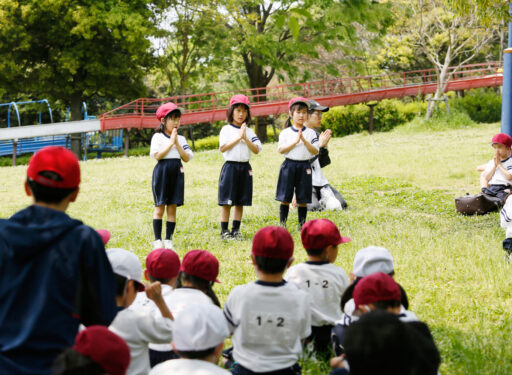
400	187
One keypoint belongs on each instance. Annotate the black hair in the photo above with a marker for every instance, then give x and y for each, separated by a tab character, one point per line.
200	354
293	108
162	281
383	338
229	112
203	285
71	362
384	305
121	282
173	114
48	194
315	252
271	265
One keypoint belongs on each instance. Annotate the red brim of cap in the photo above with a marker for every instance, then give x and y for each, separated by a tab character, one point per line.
344	240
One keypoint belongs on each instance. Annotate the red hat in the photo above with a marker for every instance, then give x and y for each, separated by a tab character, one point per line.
273	242
239	99
163	264
105	348
374	288
296	100
58	160
104	234
502	138
319	233
202	264
165	109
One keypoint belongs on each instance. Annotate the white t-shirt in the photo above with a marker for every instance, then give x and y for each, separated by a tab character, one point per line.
187	367
325	283
498	178
299	152
349	317
240	152
317	174
161	140
138	329
268	321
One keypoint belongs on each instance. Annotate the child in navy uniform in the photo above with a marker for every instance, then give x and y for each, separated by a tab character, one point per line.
236	142
298	144
321	279
168	184
269	317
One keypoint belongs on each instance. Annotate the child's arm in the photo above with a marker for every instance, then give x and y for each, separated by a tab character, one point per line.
309	146
503	170
154	293
184	155
255	148
161	153
228	146
288	147
487	175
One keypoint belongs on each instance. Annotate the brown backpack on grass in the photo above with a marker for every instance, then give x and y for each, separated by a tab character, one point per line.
477	204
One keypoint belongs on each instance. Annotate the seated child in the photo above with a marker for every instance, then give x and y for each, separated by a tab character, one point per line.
268	317
320	278
199	336
162	265
97	351
137	328
495	180
379	292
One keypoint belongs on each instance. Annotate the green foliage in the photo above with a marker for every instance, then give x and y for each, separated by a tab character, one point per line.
440	120
480	105
355	118
207	143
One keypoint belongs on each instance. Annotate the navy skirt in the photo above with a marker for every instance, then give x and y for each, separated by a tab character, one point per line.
168	182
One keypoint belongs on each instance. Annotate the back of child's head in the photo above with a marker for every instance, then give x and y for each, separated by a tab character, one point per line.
377	287
53	174
318	234
97	350
272	248
126	266
199	268
378	343
296	104
198	330
373	259
237	101
163	265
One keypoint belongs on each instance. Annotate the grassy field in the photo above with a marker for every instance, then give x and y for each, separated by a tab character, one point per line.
400	187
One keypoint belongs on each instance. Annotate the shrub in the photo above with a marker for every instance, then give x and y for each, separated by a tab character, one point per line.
440	120
482	105
208	143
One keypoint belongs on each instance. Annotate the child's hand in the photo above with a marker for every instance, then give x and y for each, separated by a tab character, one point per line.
242	133
299	136
337	362
497	160
174	136
154	291
324	138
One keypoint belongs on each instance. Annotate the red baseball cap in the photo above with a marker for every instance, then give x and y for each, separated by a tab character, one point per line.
165	109
163	263
296	100
502	138
58	160
239	99
374	288
319	233
202	264
105	348
273	242
104	234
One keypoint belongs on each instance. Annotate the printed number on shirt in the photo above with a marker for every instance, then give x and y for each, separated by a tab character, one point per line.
320	283
265	327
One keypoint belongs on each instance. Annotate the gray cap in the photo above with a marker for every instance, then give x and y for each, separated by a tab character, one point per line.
372	259
125	263
315	106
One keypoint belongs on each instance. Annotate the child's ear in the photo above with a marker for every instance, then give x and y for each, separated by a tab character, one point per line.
290	261
74	194
146	275
27	189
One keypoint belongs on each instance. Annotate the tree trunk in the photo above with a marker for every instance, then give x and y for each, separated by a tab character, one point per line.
441	86
76	115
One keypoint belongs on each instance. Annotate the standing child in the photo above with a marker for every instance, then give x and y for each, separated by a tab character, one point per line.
236	142
298	144
321	279
269	317
168	184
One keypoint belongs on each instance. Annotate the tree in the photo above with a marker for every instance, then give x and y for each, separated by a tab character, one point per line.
73	50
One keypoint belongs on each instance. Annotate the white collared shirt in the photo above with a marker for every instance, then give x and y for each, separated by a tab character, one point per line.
499	178
160	140
239	152
184	366
299	151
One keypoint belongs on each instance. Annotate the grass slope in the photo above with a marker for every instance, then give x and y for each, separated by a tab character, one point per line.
400	188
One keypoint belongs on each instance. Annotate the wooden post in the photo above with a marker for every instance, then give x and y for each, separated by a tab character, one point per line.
370	127
192	137
14	151
126	143
274	128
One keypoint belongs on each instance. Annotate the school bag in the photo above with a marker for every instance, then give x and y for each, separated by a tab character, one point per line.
477	204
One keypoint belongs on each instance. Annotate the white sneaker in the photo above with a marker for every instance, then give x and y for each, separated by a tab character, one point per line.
158	244
168	245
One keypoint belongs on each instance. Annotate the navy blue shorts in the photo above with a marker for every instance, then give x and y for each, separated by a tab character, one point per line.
238	369
168	182
235	184
294	176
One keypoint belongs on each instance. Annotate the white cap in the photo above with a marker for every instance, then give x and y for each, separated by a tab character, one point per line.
372	259
199	327
125	263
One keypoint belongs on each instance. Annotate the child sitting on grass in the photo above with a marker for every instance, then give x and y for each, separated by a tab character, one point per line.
496	179
137	328
320	278
268	317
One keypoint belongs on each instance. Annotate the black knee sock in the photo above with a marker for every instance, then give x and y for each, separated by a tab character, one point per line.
157	228
224	226
236	226
169	229
302	212
283	213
